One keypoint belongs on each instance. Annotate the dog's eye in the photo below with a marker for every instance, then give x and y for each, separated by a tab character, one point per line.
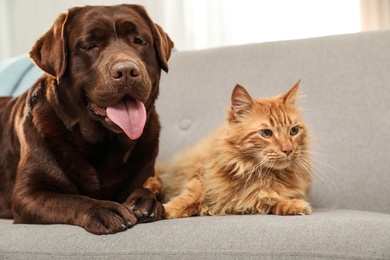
91	46
139	41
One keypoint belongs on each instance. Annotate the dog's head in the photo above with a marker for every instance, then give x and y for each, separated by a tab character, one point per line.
107	62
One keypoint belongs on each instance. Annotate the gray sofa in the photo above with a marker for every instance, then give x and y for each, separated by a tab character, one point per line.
346	80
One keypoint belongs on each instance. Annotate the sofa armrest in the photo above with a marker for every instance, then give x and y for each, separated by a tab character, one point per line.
17	75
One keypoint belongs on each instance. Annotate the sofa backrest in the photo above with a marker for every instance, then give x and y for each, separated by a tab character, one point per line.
346	81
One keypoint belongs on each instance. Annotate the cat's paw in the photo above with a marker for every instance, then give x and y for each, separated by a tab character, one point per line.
172	212
178	211
292	207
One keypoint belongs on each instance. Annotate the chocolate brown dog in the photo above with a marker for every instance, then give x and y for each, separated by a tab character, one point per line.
79	144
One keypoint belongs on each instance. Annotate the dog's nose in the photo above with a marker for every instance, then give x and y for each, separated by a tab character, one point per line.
123	72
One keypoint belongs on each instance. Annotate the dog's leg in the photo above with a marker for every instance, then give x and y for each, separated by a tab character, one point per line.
95	216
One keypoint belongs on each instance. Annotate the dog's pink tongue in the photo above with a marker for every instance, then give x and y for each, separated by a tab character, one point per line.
130	115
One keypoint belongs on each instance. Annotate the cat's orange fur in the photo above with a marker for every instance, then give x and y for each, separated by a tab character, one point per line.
242	168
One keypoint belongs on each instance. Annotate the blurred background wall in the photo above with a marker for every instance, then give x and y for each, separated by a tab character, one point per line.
199	24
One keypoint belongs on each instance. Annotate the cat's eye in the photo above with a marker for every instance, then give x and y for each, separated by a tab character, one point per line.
266	133
294	130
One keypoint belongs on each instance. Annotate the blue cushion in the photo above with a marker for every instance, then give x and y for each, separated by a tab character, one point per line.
17	75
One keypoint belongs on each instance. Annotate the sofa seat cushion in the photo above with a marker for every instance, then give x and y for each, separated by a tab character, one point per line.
327	233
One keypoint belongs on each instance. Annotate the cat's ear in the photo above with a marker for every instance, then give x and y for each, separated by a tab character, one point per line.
291	96
242	102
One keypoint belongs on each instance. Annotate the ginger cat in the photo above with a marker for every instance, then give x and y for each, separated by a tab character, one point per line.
257	163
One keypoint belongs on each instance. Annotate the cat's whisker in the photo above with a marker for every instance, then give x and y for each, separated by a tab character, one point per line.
307	166
256	166
321	162
319	173
261	166
310	152
255	169
250	174
269	169
327	165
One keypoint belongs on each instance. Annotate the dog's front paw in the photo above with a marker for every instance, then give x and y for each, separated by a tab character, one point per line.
145	206
109	217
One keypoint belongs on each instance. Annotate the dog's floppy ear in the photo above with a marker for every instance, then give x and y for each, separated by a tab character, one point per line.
164	46
163	43
50	52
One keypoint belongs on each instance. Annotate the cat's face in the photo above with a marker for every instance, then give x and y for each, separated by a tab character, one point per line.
268	130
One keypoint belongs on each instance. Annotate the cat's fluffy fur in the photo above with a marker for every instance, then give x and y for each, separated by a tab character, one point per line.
257	163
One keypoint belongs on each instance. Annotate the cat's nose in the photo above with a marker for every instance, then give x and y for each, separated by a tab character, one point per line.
287	151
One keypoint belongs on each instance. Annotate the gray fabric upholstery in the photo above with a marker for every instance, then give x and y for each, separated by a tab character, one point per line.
346	81
327	234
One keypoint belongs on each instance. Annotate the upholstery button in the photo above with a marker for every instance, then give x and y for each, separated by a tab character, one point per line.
185	124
